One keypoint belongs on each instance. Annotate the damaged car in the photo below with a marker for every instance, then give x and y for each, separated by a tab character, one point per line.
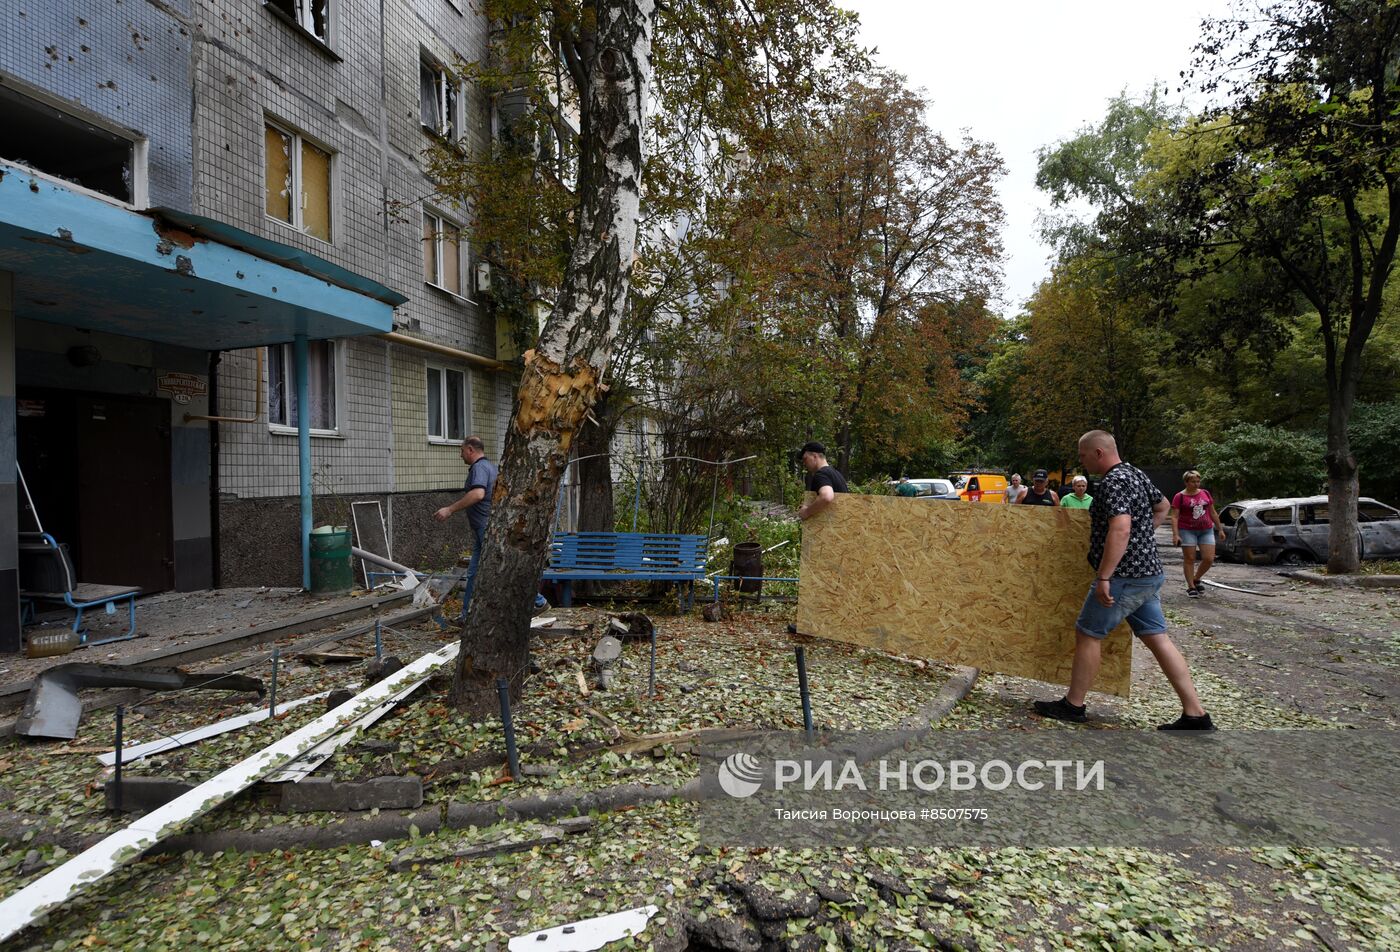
1297	531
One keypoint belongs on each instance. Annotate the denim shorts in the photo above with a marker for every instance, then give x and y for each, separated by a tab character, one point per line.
1197	536
1134	599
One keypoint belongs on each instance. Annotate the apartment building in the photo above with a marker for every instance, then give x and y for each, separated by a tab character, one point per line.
311	119
206	205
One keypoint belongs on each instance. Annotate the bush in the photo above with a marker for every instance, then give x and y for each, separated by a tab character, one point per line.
1375	439
1252	461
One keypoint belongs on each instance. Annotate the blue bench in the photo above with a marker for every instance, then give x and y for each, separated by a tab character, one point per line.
46	575
624	556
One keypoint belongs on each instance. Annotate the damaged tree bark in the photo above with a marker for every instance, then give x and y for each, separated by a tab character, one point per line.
610	62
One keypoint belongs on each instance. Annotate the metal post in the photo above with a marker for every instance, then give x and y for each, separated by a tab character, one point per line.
272	695
304	454
117	777
378	640
512	755
714	494
651	676
802	687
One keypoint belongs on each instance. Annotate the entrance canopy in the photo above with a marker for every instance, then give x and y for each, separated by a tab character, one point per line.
171	277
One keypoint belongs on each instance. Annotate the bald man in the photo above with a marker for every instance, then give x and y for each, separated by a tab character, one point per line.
1128	575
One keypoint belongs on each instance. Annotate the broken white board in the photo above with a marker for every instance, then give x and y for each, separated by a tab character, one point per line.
587	935
21	909
195	734
301	768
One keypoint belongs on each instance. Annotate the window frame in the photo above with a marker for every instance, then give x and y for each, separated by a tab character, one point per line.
298	223
464	275
140	148
443	370
302	16
289	363
450	108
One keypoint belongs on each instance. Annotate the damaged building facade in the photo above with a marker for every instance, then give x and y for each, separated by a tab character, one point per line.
212	212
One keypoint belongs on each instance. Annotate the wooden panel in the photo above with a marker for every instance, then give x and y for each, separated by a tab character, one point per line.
995	587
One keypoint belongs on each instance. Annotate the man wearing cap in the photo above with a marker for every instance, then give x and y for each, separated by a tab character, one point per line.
822	479
1040	493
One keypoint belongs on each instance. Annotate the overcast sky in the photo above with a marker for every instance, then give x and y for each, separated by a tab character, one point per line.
1026	73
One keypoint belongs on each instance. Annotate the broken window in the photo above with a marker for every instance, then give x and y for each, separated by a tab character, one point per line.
54	143
1230	515
298	182
1276	517
437	95
442	253
1313	515
447	404
1376	512
321	380
313	16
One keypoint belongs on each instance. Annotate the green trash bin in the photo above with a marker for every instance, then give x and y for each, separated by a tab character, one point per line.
331	571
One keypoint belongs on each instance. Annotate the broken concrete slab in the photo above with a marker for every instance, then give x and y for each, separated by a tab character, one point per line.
316	794
631	625
538	770
607	652
573	825
53	708
143	794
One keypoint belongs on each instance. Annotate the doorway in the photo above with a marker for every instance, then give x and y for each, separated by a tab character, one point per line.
98	467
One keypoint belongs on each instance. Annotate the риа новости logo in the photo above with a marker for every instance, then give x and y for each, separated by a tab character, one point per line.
740	775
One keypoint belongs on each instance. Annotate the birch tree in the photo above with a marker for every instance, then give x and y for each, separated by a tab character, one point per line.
608	47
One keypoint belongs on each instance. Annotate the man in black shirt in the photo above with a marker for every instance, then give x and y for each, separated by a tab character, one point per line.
1125	514
822	479
1040	493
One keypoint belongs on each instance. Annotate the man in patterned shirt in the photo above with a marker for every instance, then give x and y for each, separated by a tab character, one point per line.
1126	512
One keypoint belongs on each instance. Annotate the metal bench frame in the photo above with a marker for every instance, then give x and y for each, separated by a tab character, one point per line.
42	541
626	556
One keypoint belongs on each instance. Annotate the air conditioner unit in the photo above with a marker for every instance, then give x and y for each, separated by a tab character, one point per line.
483	276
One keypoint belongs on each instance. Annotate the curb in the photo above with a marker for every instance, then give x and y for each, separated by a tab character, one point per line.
1344	581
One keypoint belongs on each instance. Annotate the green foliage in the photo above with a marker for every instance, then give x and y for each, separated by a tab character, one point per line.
1254	461
1375	438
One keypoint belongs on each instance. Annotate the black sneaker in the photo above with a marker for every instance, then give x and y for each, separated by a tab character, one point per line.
1187	723
1062	710
1193	592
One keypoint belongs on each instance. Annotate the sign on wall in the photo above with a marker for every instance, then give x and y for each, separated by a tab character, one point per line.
182	387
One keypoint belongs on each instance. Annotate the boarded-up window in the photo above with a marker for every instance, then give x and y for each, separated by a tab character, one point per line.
279	174
296	167
321	383
443	259
316	191
447	404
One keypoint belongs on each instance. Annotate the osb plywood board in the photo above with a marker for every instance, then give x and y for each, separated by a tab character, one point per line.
994	587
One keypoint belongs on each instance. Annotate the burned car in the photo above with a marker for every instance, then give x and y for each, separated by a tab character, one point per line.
1296	531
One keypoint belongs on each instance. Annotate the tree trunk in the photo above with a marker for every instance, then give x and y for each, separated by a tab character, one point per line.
1343	489
594	470
562	374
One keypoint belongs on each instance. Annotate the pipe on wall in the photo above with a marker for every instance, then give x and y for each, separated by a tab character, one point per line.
488	363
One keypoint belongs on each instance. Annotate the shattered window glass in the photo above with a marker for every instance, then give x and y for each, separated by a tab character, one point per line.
434	402
1276	517
313	16
278	146
430	268
451	258
429	103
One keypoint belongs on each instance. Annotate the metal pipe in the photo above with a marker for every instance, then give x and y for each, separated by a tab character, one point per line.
806	695
117	777
272	694
257	400
489	363
304	455
512	755
360	553
651	676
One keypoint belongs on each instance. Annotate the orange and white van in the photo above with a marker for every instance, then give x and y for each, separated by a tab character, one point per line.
980	487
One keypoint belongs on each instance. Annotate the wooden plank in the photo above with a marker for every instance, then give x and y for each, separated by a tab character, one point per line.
992	587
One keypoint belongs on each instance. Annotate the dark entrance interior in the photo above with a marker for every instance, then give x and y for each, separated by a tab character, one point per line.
98	467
